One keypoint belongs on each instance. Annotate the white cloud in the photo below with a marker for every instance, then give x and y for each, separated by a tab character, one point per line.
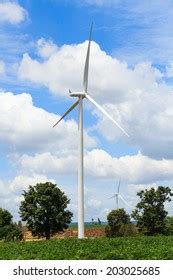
137	98
11	11
169	70
66	164
55	72
137	173
136	169
46	48
94	203
63	69
22	182
24	126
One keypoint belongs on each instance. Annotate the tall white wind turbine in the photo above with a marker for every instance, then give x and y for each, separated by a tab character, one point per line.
81	95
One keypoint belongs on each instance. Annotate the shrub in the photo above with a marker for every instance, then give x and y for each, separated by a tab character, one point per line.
128	230
169	226
9	231
116	219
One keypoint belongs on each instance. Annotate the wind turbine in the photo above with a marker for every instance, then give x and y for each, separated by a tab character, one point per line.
117	195
81	95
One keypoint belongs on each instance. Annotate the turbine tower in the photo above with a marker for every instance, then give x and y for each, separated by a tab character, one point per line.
116	195
81	95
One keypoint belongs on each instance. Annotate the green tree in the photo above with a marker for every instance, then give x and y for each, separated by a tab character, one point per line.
5	218
150	213
116	219
44	209
9	231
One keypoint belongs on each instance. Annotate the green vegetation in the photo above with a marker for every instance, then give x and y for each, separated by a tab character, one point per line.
9	231
150	213
131	248
118	221
169	225
44	210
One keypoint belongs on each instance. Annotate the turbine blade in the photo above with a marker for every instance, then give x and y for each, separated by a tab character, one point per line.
86	68
125	201
105	113
112	196
66	113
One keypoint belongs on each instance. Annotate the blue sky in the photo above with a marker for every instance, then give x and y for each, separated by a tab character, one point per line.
42	54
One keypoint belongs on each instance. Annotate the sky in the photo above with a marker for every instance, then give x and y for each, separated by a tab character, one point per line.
42	55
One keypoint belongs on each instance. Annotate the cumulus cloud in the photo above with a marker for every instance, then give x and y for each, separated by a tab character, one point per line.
138	169
138	98
12	12
169	70
46	48
25	126
135	169
22	182
65	164
62	68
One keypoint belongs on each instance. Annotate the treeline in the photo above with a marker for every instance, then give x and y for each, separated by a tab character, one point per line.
44	210
150	216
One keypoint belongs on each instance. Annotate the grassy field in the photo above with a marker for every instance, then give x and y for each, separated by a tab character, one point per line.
159	247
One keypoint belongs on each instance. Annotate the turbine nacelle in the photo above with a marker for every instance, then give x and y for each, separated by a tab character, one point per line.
78	94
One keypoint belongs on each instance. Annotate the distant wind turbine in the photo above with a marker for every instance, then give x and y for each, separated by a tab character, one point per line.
81	95
117	195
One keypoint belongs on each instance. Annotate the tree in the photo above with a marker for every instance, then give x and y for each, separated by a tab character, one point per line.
116	219
44	209
5	218
150	213
9	231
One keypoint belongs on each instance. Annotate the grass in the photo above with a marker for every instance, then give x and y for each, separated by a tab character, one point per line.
130	248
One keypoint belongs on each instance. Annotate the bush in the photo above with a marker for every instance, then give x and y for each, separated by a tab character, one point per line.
117	219
169	226
11	233
128	230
